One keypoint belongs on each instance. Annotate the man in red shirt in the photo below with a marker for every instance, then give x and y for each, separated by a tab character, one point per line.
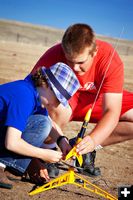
113	110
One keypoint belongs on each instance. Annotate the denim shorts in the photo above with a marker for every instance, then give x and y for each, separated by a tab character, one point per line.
37	130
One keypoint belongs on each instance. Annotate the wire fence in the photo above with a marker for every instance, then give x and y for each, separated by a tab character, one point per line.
45	36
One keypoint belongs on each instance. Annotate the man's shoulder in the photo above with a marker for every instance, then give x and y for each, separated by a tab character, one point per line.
105	49
53	54
103	44
56	47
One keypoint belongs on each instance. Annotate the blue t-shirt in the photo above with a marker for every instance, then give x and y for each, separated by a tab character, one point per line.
19	100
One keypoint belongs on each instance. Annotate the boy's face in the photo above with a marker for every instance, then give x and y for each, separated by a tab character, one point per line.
49	99
82	62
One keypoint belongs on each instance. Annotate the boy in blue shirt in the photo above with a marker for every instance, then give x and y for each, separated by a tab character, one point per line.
24	120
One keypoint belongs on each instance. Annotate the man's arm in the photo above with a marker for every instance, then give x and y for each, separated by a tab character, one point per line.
111	111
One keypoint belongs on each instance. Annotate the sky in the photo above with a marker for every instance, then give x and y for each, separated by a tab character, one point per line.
112	18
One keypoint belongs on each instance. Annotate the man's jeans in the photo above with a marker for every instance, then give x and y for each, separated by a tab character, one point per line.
37	129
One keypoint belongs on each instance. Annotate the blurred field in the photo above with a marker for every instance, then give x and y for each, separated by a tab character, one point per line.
21	45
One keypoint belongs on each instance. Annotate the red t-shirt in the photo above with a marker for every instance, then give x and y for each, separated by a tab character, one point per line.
92	79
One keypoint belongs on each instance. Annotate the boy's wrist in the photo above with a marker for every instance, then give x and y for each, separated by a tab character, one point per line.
59	139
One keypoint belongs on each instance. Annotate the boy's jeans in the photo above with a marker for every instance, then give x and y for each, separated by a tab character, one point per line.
37	129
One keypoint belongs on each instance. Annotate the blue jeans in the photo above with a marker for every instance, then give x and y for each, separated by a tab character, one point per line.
37	129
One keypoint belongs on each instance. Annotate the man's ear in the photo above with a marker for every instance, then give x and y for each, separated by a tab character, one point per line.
95	52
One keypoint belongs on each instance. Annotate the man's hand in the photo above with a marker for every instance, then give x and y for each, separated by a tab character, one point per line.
86	145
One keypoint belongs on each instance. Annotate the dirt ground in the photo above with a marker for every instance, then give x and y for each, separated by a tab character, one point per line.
115	162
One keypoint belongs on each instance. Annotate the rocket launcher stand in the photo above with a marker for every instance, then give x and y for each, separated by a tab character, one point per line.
71	177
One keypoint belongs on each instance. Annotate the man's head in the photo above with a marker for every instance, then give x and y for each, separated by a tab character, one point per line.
60	78
77	37
79	46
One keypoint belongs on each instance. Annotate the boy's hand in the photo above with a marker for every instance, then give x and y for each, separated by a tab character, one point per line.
36	169
52	156
37	172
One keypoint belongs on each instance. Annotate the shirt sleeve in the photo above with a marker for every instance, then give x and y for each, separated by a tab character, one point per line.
111	70
18	112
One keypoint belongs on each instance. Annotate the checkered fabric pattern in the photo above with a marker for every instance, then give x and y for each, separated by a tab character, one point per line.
62	80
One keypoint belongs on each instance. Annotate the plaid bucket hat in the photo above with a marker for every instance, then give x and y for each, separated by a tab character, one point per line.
62	80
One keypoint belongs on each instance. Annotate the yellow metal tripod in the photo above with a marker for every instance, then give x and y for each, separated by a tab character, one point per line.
71	177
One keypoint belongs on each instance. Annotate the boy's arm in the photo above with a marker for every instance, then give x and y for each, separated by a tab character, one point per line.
55	133
15	143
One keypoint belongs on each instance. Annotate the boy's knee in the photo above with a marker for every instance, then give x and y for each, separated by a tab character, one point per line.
38	126
43	123
61	115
